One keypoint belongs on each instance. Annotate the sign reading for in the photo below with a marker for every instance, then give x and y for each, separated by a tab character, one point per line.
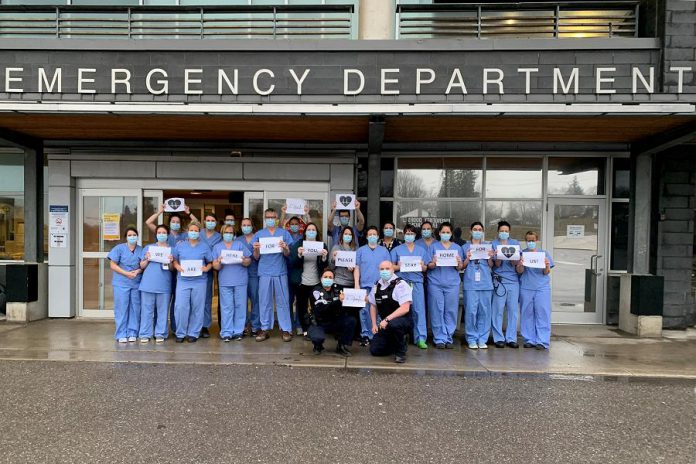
270	245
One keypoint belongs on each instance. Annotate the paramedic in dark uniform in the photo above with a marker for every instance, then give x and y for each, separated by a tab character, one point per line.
328	315
390	299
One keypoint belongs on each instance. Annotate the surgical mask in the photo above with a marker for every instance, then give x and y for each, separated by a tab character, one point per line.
294	228
175	226
246	230
210	225
229	222
270	222
503	235
372	239
132	239
388	232
385	274
227	237
477	235
531	245
311	234
194	234
344	220
427	233
347	238
161	237
410	238
445	236
326	283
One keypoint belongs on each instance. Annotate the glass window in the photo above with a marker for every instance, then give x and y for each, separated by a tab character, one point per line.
11	206
419	177
362	177
462	178
619	236
105	2
416	211
576	176
622	178
513	177
522	216
387	180
462	214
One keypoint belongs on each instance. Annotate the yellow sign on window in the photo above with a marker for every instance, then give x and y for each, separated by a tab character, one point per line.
111	229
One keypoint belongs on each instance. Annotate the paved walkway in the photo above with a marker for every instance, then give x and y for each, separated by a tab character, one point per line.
575	350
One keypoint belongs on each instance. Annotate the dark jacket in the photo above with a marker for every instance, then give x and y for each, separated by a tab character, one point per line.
296	263
326	305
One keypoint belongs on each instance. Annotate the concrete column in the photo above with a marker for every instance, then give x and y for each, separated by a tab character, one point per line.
33	205
376	19
62	275
640	214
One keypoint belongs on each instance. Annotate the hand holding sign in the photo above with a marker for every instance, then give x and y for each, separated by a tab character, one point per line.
312	248
345	201
480	251
231	257
508	252
354	298
345	258
270	245
174	205
410	264
534	259
191	267
446	258
295	206
160	254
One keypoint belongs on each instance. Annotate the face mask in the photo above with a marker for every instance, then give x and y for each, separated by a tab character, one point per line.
427	233
270	222
344	220
210	225
388	232
294	229
372	239
326	283
175	226
503	235
228	237
385	275
410	238
246	230
132	239
311	234
347	238
161	237
194	234
229	222
445	236
531	245
477	235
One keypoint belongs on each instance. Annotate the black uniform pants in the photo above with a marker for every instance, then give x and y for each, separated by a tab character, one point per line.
342	326
392	340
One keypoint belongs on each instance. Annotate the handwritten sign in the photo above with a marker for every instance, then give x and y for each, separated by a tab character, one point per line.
534	259
174	205
354	298
295	206
270	245
508	252
159	254
231	257
312	248
446	258
345	258
191	267
480	251
345	201
410	264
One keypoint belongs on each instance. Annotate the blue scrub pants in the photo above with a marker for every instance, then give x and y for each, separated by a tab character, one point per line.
172	305
254	317
477	316
535	313
365	319
190	305
126	312
208	314
420	327
153	314
274	288
443	307
233	305
511	300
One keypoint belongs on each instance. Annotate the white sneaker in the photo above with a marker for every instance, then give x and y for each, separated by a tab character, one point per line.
473	346
144	341
123	340
132	339
482	346
159	340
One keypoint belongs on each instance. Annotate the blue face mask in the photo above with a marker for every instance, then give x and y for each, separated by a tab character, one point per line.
385	275
344	220
161	237
477	235
229	222
246	230
503	235
210	225
311	234
175	226
410	238
227	237
132	239
427	233
294	228
270	222
194	234
326	283
347	238
445	236
531	245
372	239
388	232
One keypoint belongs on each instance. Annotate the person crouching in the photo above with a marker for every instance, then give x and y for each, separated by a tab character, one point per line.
328	315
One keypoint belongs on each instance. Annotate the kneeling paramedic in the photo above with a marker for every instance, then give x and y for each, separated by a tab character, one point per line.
328	315
390	299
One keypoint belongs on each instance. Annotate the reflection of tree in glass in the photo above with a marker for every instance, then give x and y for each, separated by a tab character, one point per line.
458	183
410	185
129	218
575	188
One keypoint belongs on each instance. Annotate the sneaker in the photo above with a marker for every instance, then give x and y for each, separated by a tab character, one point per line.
399	359
159	340
261	335
364	341
541	347
226	339
529	345
179	340
191	339
123	340
144	341
482	346
343	351
205	333
132	339
473	346
422	345
440	346
287	336
238	338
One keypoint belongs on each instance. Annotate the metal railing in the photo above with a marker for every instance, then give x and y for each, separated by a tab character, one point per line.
181	22
581	19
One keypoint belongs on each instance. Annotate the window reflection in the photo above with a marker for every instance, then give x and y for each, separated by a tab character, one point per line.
619	236
439	178
513	177
576	176
523	216
622	178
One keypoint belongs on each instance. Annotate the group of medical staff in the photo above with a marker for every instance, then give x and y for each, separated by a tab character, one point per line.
152	296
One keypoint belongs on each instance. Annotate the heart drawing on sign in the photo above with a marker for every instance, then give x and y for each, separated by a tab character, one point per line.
345	200
507	251
174	204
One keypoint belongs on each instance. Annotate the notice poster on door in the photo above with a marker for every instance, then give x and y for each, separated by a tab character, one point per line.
575	231
111	227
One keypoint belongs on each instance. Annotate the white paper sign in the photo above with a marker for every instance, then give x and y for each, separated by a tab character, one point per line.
191	267
59	240
575	231
295	206
270	245
174	205
345	258
160	254
231	256
354	298
534	259
446	258
410	264
508	253
345	201
480	251
312	248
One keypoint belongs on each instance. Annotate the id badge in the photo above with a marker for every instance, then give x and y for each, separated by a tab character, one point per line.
165	267
477	276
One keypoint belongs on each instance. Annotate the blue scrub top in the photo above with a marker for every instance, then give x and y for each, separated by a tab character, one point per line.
336	232
212	240
402	250
446	276
174	239
506	270
368	261
202	251
273	265
253	268
155	279
295	237
421	243
479	265
533	278
128	261
232	274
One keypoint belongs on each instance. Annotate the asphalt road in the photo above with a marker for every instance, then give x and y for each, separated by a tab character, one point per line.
98	412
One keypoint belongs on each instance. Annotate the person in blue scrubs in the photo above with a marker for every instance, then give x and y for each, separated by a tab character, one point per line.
427	236
389	240
232	286
155	290
253	320
478	291
443	290
506	292
273	279
344	221
190	290
125	263
367	263
415	279
211	237
535	298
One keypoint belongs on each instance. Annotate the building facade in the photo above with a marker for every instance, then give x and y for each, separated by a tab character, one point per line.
573	119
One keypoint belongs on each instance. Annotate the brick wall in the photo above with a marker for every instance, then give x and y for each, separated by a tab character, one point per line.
679	43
